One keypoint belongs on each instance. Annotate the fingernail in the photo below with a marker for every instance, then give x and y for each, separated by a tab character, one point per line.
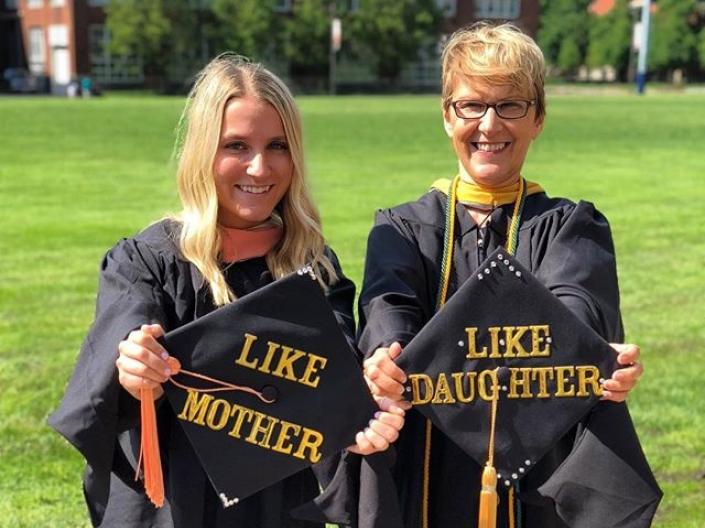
167	372
378	414
401	389
370	422
165	356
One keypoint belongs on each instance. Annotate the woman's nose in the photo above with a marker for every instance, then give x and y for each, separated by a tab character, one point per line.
490	120
257	165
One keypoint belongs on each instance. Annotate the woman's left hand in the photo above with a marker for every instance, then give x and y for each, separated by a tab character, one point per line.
383	429
623	380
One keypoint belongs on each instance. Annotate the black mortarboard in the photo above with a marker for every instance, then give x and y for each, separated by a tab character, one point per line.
548	365
283	343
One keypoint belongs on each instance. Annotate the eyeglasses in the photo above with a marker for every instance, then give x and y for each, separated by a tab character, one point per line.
508	109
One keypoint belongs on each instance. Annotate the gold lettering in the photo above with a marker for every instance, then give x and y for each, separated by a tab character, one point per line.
482	390
286	363
472	344
539	333
195	403
310	440
416	380
562	374
458	377
266	364
521	377
513	334
213	412
241	414
311	369
442	394
259	429
247	345
494	342
588	375
283	445
543	374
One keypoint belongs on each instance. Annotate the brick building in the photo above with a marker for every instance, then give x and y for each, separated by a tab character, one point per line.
62	40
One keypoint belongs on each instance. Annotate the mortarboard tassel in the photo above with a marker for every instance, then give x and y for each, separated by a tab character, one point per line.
149	451
487	517
150	460
488	499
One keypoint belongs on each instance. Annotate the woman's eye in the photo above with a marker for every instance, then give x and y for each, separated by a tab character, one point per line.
236	145
279	145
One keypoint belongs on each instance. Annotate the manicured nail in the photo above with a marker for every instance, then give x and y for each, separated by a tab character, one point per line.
165	355
378	414
167	372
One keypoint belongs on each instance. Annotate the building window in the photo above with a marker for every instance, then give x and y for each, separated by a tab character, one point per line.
283	6
449	8
507	9
110	69
37	53
33	4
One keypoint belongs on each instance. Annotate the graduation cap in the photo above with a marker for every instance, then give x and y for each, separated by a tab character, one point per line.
504	369
266	386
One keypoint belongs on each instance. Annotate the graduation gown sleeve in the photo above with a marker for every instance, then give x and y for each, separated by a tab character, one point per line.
396	300
605	480
95	410
579	267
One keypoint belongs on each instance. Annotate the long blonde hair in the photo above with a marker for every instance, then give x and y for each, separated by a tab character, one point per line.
226	77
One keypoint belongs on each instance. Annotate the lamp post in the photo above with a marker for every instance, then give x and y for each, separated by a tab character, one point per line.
643	46
336	37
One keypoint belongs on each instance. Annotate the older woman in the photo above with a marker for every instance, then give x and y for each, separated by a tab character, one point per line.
247	219
493	108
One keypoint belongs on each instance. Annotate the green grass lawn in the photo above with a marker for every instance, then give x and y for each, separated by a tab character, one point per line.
75	176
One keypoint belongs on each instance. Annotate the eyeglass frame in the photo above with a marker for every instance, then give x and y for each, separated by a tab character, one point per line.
529	104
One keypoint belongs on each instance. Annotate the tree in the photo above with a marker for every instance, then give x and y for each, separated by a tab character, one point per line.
307	38
392	32
701	48
673	41
563	35
610	39
246	27
161	32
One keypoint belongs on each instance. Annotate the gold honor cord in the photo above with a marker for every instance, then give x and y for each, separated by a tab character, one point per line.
489	476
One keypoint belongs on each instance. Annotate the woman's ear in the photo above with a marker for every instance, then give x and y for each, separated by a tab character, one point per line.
448	121
539	127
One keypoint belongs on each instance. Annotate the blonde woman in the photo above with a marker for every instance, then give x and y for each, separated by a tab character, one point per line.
247	219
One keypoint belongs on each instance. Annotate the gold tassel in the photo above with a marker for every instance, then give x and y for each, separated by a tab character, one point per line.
488	499
488	494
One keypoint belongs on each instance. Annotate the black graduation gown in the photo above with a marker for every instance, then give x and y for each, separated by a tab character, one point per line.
145	280
569	248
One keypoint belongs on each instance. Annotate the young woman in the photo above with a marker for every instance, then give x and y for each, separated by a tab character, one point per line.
247	219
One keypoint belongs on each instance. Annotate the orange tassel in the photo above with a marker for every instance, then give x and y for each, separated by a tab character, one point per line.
150	460
149	451
488	499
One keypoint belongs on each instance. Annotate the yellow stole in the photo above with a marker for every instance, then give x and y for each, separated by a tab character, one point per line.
470	193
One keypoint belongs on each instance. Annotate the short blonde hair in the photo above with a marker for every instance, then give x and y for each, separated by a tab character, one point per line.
226	77
498	55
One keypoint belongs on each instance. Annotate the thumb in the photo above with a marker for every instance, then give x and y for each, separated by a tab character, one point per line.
155	330
394	350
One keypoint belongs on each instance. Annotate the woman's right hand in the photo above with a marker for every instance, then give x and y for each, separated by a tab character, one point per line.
384	377
142	361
